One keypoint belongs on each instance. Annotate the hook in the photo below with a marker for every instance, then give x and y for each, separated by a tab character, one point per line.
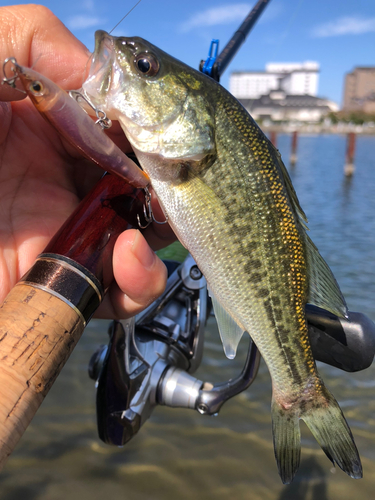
11	81
147	210
148	213
101	116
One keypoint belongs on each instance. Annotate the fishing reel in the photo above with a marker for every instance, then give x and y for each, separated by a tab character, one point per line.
150	359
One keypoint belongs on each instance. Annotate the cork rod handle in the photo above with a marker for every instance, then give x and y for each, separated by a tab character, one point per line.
38	331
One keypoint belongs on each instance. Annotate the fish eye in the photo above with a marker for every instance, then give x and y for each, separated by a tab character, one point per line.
147	64
36	87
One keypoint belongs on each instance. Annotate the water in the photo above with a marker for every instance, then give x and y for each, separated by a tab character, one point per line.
180	454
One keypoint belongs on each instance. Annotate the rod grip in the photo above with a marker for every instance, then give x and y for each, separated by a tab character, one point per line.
38	331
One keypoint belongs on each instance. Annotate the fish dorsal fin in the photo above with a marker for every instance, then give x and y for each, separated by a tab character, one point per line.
290	189
230	332
324	290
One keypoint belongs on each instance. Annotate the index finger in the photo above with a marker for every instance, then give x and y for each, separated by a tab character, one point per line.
35	36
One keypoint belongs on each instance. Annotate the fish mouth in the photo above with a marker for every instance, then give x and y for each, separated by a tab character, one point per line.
99	82
104	50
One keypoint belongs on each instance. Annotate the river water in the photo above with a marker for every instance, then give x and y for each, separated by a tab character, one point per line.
179	454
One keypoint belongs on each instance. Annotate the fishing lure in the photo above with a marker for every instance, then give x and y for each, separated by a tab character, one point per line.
76	126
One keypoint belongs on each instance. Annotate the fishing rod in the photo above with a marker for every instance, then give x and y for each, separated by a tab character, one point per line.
214	66
44	315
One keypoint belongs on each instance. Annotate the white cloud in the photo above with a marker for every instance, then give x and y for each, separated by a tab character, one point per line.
225	14
355	25
88	5
81	22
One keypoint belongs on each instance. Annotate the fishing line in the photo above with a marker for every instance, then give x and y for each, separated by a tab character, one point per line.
36	61
126	15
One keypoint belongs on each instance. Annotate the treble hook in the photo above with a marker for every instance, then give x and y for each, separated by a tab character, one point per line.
11	81
147	210
148	213
101	116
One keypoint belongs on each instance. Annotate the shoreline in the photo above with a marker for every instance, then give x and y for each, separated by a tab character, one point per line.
340	128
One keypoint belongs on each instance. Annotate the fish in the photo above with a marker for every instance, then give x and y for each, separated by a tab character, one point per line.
231	203
77	127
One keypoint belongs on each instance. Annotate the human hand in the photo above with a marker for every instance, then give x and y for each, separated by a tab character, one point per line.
42	178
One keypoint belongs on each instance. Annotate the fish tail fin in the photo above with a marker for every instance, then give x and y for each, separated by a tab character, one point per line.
327	423
286	441
329	427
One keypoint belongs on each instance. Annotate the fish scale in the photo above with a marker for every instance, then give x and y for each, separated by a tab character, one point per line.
276	228
231	203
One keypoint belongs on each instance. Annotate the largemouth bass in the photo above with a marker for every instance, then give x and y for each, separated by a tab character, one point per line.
231	203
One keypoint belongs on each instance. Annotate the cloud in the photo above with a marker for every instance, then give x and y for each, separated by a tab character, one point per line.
355	25
88	5
81	22
225	14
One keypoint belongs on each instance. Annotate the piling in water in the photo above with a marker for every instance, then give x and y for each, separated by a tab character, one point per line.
273	138
349	159
293	154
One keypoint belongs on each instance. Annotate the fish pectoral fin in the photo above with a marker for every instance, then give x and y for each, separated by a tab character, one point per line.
324	290
230	331
324	418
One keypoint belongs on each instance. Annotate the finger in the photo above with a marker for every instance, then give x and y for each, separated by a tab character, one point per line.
5	119
36	37
140	277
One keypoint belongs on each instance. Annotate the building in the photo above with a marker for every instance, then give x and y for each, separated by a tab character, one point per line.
278	106
284	92
359	90
292	78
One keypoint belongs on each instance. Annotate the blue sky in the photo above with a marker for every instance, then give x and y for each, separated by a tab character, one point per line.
339	34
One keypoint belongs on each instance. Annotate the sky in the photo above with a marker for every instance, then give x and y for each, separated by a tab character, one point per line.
338	34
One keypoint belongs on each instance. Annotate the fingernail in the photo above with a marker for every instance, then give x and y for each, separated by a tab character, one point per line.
142	251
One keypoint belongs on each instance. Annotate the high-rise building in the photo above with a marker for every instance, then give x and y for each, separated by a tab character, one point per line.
359	90
292	78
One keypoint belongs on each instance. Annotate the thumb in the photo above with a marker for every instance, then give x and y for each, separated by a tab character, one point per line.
140	277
